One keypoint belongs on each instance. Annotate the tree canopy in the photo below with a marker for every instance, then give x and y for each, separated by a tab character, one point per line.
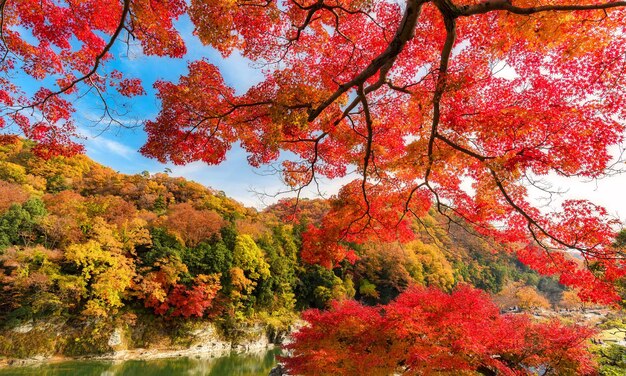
410	94
425	331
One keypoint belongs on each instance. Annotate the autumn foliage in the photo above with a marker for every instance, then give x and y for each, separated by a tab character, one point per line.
193	225
83	243
418	97
79	240
426	331
185	301
457	108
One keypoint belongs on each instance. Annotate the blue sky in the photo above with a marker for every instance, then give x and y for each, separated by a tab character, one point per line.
117	147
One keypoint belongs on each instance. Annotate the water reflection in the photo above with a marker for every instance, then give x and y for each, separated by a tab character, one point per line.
233	365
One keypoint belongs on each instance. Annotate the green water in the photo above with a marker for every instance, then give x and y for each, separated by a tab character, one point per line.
233	365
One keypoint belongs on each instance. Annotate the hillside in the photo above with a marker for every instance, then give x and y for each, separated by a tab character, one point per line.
87	248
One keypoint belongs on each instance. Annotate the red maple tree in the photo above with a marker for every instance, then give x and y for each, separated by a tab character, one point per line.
407	93
426	331
181	300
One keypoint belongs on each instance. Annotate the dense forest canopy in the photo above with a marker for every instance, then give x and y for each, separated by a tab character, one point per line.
80	238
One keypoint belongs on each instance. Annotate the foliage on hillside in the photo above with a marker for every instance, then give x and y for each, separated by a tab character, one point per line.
444	255
80	241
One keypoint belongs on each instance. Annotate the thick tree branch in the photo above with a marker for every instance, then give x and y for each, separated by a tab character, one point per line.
467	151
382	62
495	5
2	38
440	88
368	145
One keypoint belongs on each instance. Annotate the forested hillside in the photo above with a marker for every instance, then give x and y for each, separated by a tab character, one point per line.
82	243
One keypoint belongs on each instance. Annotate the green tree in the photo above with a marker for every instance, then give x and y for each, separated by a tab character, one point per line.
281	252
208	258
18	225
249	270
164	245
315	286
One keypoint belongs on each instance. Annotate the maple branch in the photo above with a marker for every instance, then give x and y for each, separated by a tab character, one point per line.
404	33
368	147
98	59
4	42
249	4
202	118
450	24
529	219
312	167
382	80
321	5
106	109
495	5
309	18
462	149
532	223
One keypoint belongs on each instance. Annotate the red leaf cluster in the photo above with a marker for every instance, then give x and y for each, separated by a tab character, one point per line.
187	301
426	331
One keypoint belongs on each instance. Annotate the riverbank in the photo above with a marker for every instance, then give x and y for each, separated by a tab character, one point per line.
245	364
53	343
138	354
200	351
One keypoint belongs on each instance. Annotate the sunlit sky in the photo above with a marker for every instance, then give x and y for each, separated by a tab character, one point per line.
117	147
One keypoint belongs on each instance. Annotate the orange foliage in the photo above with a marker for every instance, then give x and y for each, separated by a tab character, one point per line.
529	298
192	225
67	214
11	194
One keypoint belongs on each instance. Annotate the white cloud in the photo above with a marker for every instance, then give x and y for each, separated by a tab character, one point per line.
609	193
103	145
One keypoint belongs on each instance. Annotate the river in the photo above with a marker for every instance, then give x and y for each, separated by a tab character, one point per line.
233	365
